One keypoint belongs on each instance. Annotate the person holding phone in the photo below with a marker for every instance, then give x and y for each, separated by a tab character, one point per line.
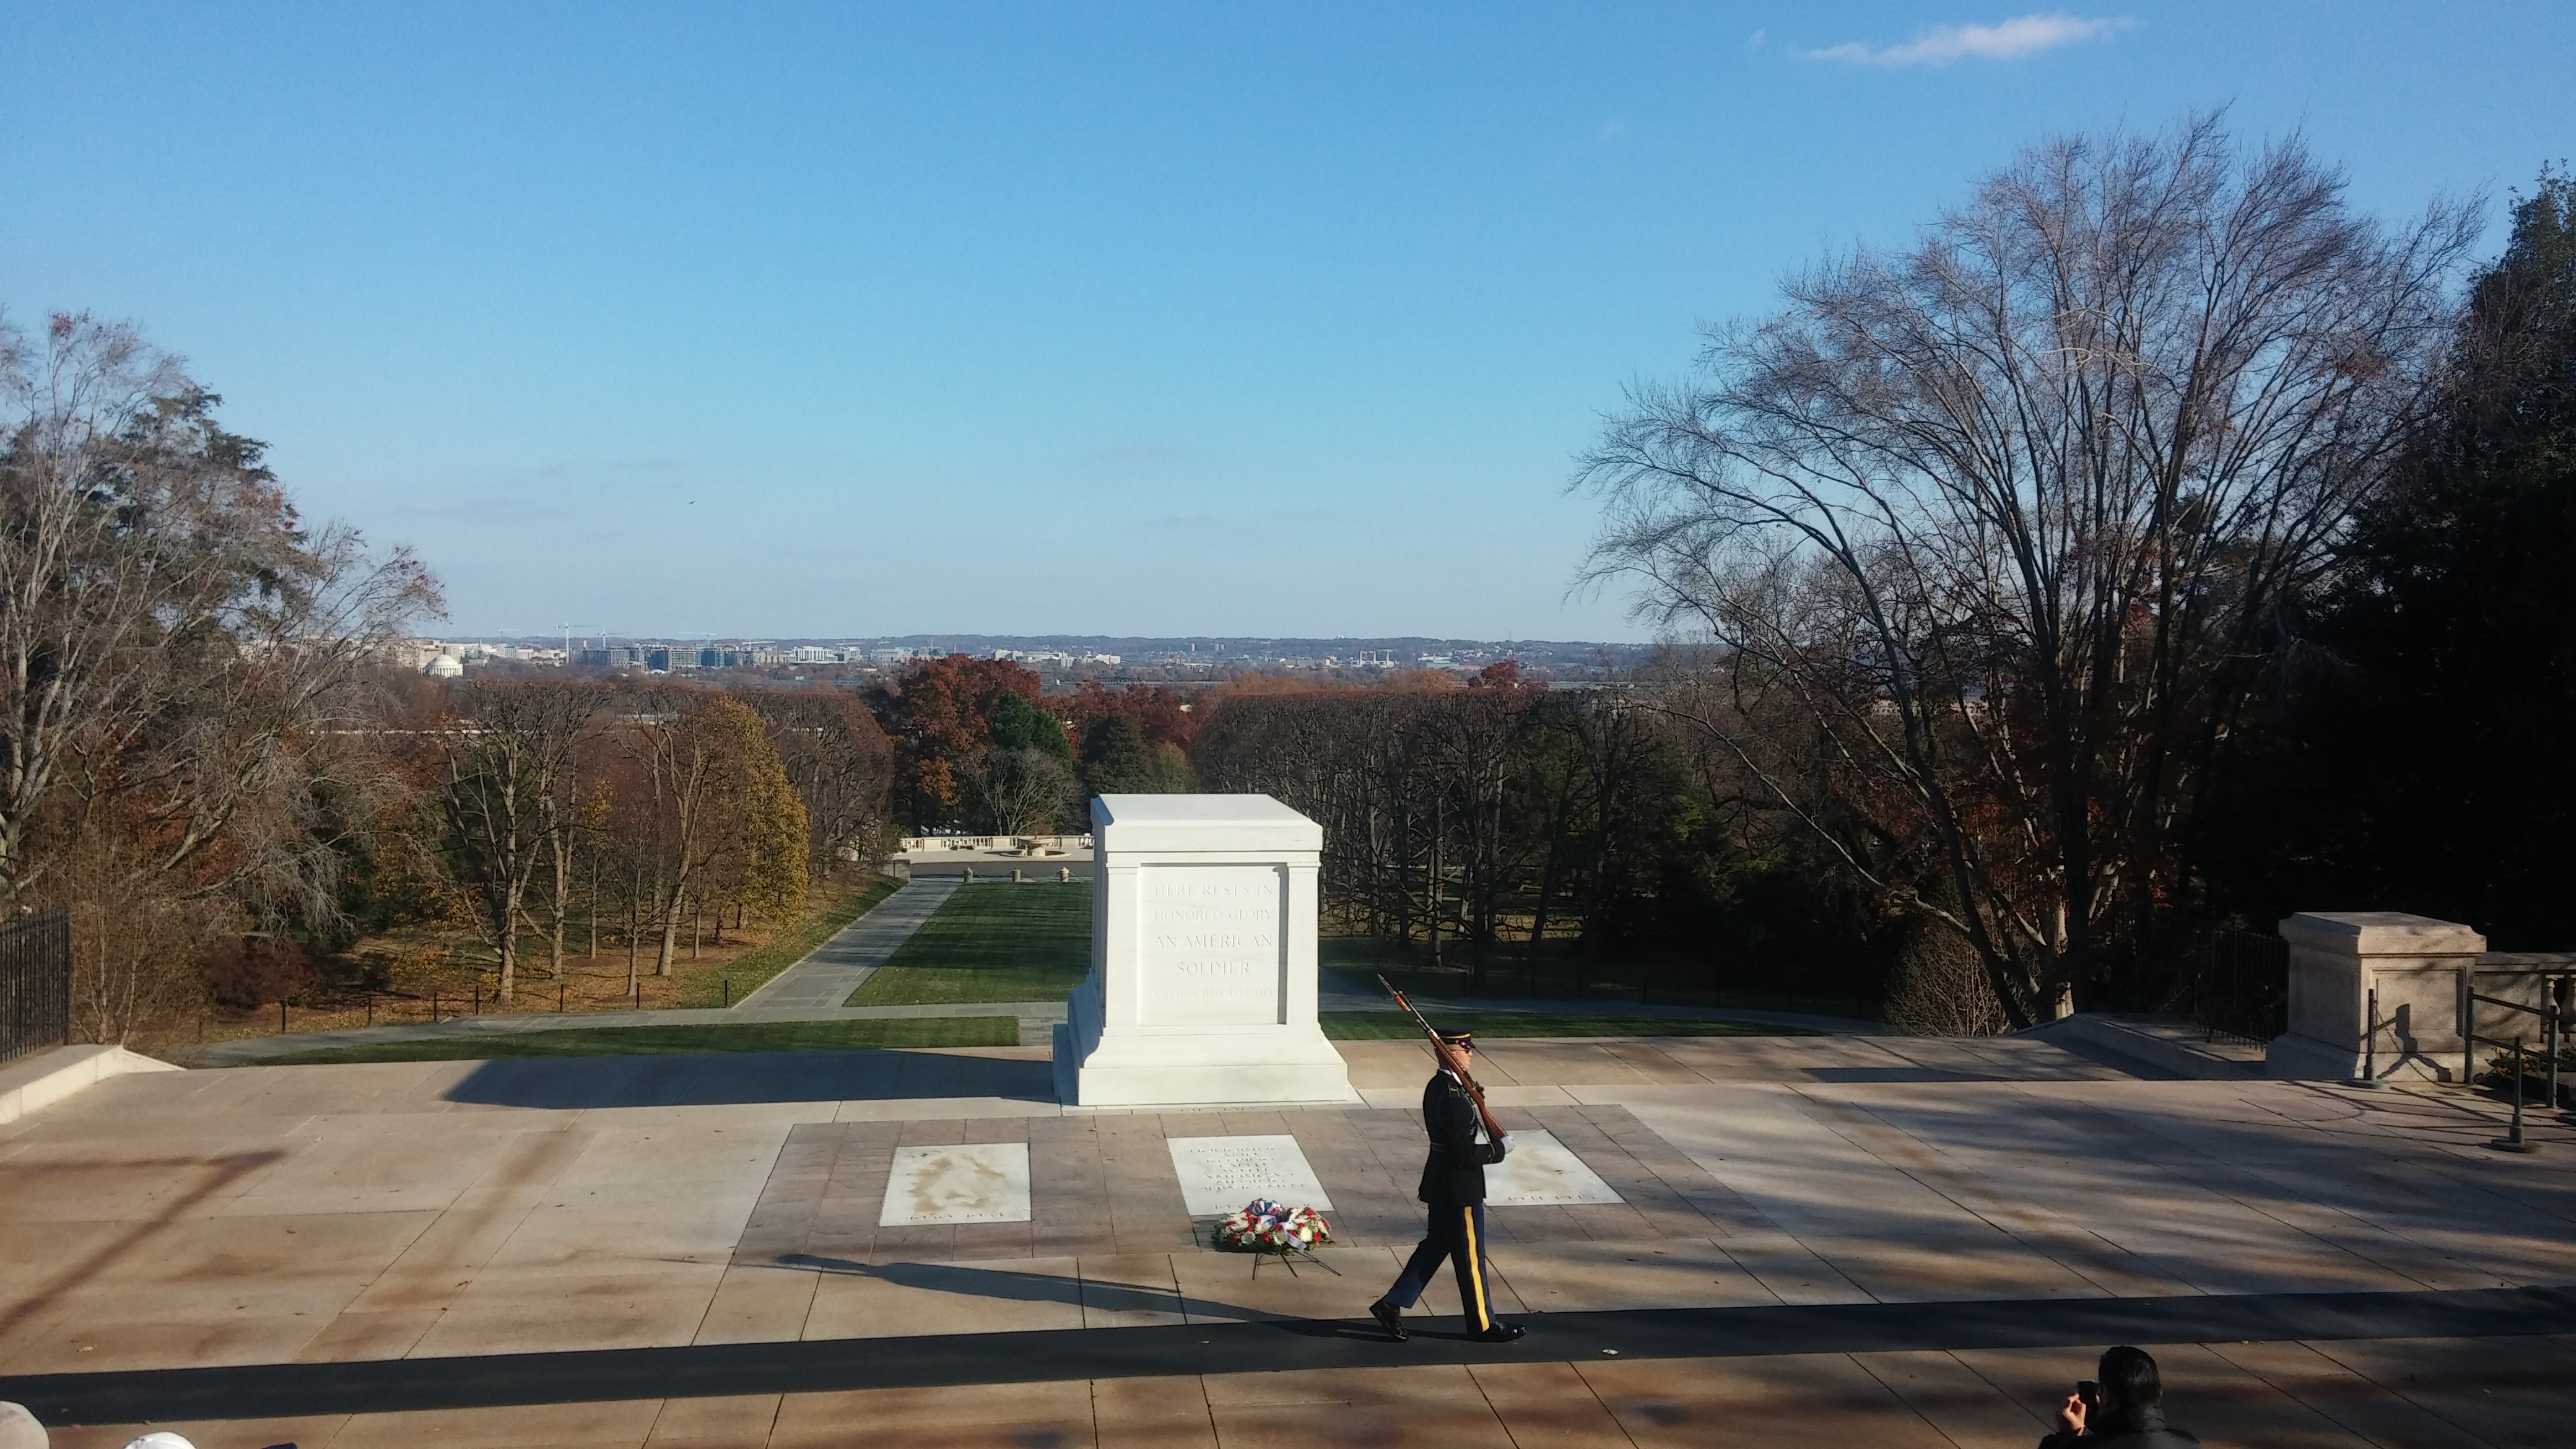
2122	1408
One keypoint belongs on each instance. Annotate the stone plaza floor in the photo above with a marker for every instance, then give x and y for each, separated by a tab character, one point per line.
1820	1240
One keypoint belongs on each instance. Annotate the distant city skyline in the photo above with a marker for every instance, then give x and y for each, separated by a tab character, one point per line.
1088	654
1122	319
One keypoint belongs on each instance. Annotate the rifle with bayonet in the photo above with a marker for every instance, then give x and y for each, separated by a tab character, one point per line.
1450	1061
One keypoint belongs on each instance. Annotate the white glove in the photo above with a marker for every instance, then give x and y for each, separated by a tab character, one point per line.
1506	1144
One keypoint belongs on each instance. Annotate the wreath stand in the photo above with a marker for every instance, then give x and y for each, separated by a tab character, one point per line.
1289	1262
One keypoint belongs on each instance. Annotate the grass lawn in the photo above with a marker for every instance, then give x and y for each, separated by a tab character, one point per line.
1024	942
629	1041
1359	962
1395	1025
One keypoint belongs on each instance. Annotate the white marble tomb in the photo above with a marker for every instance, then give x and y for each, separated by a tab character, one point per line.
974	1182
1221	1174
1543	1172
1202	984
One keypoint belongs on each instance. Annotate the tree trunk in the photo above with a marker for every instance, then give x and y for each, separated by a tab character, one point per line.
1547	874
634	927
563	908
1434	922
507	934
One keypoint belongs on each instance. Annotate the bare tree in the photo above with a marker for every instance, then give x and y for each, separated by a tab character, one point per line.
713	808
1021	791
183	663
842	767
165	620
506	802
1998	523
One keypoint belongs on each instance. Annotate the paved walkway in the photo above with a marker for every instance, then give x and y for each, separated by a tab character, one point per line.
828	974
1883	1241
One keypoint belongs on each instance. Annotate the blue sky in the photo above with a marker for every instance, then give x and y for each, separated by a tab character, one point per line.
790	321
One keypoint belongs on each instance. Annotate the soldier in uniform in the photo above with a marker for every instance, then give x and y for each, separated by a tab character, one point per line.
1453	1187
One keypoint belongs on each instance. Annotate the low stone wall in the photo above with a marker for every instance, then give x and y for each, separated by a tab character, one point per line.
46	1077
2419	975
2163	1042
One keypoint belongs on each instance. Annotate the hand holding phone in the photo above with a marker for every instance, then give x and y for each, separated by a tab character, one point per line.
2079	1406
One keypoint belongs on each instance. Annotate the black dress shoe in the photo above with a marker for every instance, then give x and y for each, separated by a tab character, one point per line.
1499	1333
1390	1318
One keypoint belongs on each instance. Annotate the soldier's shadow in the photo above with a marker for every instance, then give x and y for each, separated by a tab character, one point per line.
1019	1287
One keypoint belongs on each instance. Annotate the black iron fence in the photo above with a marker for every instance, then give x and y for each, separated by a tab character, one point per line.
35	983
2234	984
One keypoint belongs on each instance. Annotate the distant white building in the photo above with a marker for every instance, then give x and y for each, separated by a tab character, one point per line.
1060	658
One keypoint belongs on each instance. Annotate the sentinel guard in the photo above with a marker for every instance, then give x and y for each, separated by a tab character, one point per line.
1452	1191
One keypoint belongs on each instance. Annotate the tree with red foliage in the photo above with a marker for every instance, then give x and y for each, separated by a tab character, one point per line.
940	715
1501	674
1162	716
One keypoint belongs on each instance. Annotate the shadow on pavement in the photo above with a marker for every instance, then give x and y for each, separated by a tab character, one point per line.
1000	1283
961	1360
716	1079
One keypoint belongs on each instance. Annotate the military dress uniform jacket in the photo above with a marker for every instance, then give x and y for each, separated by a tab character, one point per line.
1454	1174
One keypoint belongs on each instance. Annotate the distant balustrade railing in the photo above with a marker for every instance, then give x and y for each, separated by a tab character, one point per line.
912	845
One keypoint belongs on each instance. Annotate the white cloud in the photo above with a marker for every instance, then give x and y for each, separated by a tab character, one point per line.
1754	41
2005	40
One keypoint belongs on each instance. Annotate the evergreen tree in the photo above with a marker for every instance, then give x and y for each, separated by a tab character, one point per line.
1018	724
1114	759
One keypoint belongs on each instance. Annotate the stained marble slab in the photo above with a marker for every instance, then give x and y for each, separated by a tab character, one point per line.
972	1182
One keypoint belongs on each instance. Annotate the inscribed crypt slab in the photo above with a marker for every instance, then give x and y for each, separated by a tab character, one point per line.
1542	1172
1221	1174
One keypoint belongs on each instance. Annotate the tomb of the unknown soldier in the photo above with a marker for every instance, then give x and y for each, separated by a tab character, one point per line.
1203	978
1831	1235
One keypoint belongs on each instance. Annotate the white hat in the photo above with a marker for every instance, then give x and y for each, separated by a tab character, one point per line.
159	1439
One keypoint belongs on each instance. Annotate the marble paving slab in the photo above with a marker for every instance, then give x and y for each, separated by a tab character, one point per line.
1221	1174
1109	1185
973	1182
1543	1172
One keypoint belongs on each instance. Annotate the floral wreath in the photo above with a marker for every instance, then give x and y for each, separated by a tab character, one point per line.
1264	1226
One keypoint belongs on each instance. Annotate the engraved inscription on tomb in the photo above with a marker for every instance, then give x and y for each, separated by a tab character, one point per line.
1220	1174
1209	939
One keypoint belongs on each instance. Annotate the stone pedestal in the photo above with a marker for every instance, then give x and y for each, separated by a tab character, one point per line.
1202	984
2337	958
